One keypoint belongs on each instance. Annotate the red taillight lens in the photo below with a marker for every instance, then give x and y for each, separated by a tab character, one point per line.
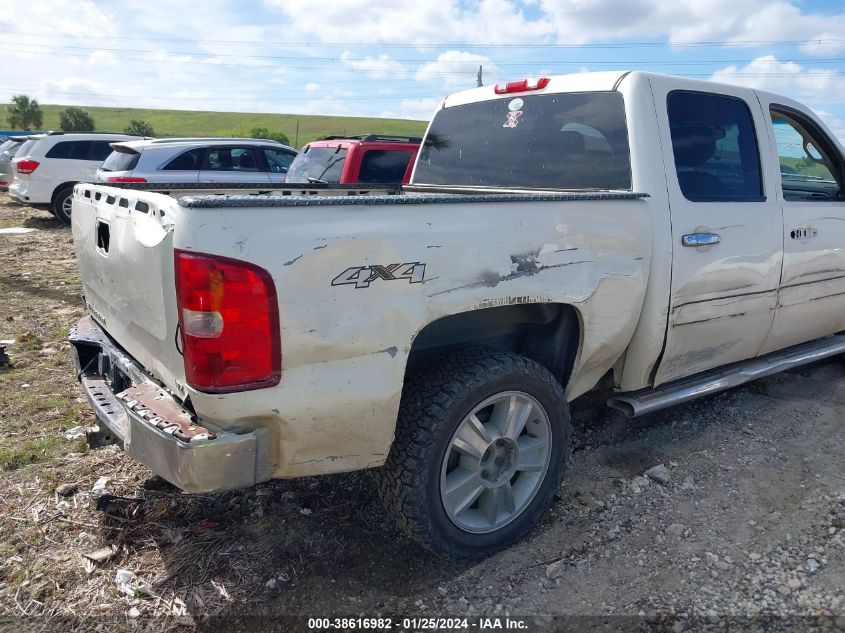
521	86
26	166
229	317
125	179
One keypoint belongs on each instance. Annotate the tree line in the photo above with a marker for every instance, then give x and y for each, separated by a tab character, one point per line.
24	113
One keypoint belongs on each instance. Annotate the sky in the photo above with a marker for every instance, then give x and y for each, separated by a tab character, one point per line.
396	59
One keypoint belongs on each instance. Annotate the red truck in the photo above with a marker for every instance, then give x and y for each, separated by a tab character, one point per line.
372	158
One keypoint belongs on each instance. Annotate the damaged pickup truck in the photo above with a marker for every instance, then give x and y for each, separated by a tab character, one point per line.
680	236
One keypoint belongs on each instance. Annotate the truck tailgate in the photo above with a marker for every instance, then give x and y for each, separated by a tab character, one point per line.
124	247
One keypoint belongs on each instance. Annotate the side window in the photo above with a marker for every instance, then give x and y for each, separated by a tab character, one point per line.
278	161
231	159
810	167
70	150
99	150
384	166
715	147
187	161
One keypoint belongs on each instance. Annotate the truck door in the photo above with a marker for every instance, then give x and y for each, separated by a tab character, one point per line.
726	227
811	299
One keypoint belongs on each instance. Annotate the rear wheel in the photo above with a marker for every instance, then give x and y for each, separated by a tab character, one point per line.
62	202
482	443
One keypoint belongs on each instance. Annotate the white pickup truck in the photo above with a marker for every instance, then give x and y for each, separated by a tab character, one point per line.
682	236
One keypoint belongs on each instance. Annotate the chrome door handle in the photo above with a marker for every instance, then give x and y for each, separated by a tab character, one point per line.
701	239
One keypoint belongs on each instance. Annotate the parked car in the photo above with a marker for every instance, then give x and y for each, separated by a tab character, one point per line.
47	170
184	160
372	158
555	232
8	149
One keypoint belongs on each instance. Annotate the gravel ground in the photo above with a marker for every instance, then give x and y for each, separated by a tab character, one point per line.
742	529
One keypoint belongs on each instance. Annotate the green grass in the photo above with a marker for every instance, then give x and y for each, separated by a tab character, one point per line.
200	123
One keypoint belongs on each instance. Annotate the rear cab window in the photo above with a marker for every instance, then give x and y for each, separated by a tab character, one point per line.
318	164
575	141
714	144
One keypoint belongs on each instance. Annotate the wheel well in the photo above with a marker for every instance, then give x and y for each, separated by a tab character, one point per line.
548	333
64	185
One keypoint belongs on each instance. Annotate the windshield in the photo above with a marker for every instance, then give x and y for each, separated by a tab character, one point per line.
317	164
557	141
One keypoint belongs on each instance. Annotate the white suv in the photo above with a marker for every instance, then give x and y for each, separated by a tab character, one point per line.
44	175
172	160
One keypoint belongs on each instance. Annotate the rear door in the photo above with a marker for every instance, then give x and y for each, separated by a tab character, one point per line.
726	226
235	163
811	300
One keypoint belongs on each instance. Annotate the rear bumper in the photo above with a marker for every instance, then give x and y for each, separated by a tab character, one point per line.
16	193
151	426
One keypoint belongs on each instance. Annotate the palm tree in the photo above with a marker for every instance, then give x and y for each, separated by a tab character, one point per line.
24	113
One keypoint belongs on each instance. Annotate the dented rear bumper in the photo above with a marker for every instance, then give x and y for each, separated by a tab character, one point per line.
135	412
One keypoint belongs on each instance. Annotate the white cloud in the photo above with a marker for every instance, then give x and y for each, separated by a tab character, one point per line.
693	21
787	78
376	67
312	87
812	86
421	23
419	109
454	68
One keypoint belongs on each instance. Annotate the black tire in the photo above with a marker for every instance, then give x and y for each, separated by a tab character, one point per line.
435	401
58	207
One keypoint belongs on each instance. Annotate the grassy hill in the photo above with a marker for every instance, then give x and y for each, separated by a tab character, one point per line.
200	123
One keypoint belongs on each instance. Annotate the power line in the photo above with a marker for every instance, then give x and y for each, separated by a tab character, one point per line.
321	44
372	60
348	68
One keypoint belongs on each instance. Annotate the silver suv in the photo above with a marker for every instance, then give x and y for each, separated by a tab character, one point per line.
8	149
197	160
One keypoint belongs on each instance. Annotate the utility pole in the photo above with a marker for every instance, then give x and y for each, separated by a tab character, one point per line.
479	77
296	138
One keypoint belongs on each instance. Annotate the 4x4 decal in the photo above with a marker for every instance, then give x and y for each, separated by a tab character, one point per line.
363	276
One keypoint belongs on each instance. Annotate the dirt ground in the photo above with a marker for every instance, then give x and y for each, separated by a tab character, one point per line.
747	534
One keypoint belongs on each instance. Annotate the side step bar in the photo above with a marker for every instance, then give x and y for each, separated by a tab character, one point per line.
639	403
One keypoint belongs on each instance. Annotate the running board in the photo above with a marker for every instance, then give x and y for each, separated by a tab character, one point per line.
638	403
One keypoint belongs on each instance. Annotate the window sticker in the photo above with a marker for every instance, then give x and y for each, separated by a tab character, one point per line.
514	113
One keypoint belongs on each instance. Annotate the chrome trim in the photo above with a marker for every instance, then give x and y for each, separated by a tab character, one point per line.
700	239
648	400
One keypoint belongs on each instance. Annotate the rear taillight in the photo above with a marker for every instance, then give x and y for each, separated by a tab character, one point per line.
125	179
26	166
229	318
